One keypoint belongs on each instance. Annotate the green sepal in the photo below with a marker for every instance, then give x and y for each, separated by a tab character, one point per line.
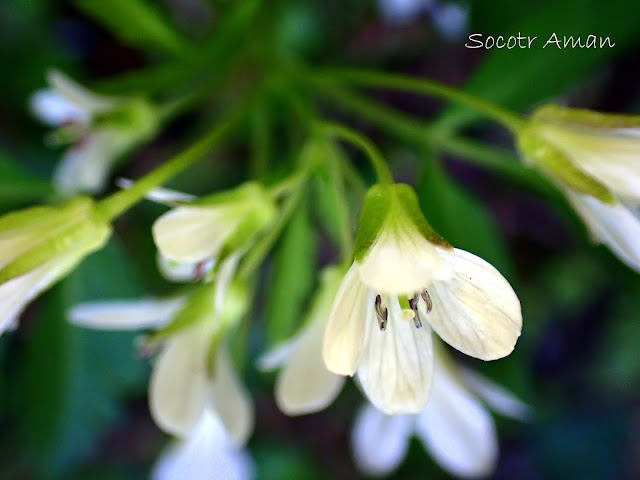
72	229
134	114
411	205
560	167
388	206
580	117
249	202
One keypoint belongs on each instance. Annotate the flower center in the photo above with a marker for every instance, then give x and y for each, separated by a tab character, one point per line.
382	312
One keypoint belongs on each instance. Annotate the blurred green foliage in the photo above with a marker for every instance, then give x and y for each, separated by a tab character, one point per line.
65	391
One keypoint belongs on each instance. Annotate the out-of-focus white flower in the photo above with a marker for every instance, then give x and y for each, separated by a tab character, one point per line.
454	426
449	18
594	159
39	246
207	453
100	130
404	281
402	11
211	233
200	230
304	384
193	373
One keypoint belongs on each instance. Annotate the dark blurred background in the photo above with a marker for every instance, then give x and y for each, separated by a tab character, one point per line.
73	402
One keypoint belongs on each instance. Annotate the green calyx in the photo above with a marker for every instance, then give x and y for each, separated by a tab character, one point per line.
578	117
559	165
394	207
39	235
135	117
250	205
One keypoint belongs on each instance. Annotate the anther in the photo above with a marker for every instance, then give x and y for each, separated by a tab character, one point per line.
427	299
413	303
382	313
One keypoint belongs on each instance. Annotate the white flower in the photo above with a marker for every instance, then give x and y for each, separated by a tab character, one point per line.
207	453
454	426
39	246
594	159
100	128
405	281
305	385
186	381
203	229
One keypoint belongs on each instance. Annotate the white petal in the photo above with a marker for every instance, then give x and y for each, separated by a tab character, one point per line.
401	261
160	195
78	95
380	441
476	311
193	234
396	367
344	335
177	271
614	225
179	387
16	293
457	430
498	398
205	454
278	355
231	400
125	315
305	385
610	156
85	167
55	110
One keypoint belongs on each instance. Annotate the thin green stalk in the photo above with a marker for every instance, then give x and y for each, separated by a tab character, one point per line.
420	133
368	78
260	250
344	212
360	141
260	141
114	205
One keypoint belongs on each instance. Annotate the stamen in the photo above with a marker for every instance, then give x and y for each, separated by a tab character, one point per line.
382	313
427	299
413	303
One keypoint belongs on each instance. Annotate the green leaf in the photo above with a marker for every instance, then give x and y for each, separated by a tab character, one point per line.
460	217
73	376
17	187
292	277
519	78
137	22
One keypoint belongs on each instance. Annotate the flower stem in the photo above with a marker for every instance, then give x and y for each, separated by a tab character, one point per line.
257	254
368	78
116	204
360	141
421	134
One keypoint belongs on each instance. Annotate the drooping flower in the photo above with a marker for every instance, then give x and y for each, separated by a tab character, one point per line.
39	246
404	281
193	373
304	384
594	159
99	128
454	426
206	453
215	228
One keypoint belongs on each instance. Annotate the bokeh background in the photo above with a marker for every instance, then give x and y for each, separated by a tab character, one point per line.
73	402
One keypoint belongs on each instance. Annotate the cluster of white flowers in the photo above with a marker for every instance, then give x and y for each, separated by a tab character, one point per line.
372	319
